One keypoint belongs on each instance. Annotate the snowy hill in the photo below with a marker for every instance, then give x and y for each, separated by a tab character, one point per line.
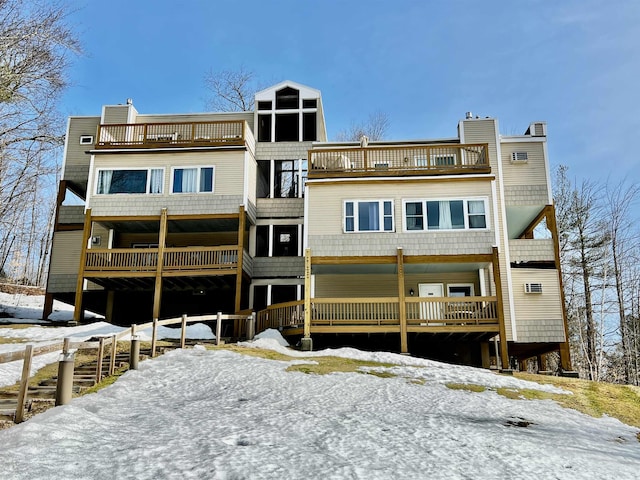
217	414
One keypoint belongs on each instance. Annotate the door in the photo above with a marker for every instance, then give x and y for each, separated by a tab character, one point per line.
429	310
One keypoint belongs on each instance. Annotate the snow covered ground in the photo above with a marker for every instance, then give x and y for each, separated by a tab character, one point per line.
221	415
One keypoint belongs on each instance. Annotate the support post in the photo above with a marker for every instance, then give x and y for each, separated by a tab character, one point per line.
542	364
241	229
402	303
66	364
24	383
99	362
183	332
307	342
565	351
218	327
157	292
134	352
77	310
251	326
504	349
114	352
48	305
154	337
108	311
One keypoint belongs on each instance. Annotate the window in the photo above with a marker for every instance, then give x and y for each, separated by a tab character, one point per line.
193	180
289	178
264	128
460	290
264	105
309	103
86	139
130	181
445	215
287	98
368	216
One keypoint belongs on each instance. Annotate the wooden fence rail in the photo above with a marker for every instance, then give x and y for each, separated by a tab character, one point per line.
109	343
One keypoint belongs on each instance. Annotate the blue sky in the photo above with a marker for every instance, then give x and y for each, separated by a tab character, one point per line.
573	63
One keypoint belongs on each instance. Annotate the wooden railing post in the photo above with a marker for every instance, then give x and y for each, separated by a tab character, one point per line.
24	383
154	337
504	349
99	360
307	342
114	351
183	332
77	311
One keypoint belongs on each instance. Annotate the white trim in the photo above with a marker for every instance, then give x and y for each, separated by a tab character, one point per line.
381	215
172	149
522	139
270	240
305	219
92	173
115	169
483	282
199	172
496	219
487	176
465	211
87	137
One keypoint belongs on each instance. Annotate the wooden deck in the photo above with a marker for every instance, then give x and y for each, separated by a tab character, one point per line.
382	315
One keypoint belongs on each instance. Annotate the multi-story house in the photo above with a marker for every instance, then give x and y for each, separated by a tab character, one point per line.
444	248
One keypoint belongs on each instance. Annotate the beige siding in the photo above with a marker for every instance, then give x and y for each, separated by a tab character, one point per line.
76	164
116	114
280	207
65	253
197	117
532	250
538	316
325	220
485	131
357	285
533	172
226	198
282	150
71	214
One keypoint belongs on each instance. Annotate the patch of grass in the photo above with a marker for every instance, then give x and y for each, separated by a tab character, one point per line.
417	381
16	326
255	352
105	382
326	365
6	340
592	398
466	386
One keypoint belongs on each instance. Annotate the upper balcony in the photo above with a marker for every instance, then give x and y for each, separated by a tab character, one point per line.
164	135
435	159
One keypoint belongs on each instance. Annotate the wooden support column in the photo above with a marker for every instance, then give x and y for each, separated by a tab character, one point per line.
162	240
504	350
48	305
565	351
77	311
307	293
402	306
241	229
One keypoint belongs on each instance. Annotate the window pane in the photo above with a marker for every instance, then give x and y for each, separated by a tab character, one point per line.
349	209
368	216
155	185
184	180
457	214
477	221
349	224
387	208
414	223
128	181
476	206
414	208
388	224
433	215
206	179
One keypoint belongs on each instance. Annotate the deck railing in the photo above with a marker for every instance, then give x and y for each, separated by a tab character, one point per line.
151	135
422	159
175	259
379	312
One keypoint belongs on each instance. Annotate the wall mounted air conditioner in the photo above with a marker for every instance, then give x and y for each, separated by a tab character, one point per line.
519	157
532	288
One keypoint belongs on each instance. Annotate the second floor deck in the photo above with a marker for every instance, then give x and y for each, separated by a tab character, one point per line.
163	135
425	159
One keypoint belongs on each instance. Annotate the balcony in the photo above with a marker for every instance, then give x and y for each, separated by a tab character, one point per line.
382	315
177	261
163	135
437	159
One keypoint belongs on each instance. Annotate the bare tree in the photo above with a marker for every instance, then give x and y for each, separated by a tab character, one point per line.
232	90
375	128
36	46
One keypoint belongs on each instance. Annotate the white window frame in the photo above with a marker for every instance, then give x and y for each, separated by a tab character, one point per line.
198	176
86	139
381	215
147	187
465	203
